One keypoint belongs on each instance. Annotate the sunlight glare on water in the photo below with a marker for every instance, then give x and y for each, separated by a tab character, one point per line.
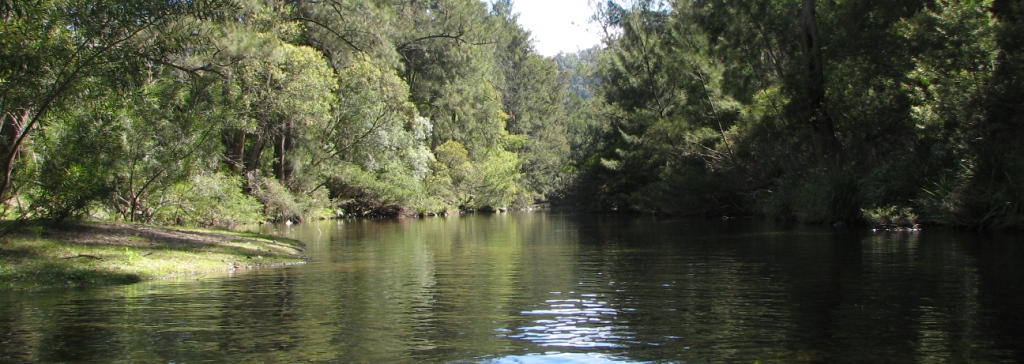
584	322
559	358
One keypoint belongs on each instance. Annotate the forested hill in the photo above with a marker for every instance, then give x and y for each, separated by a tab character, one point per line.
216	112
580	71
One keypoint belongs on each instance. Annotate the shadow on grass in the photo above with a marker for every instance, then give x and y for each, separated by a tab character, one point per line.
90	253
74	276
173	239
25	268
17	255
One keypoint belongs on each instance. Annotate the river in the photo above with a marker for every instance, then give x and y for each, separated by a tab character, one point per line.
552	288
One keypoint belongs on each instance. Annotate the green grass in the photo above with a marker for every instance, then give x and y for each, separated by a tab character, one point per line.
108	253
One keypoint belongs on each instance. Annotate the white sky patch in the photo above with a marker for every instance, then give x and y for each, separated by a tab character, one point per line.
558	25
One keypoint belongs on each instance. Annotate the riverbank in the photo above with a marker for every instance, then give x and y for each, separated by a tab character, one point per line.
103	253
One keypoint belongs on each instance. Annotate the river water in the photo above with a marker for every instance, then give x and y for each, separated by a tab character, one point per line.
551	288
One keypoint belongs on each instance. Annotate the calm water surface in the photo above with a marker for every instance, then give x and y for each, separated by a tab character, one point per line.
549	288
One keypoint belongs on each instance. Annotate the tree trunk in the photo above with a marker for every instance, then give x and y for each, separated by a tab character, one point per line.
289	146
253	154
826	146
285	142
279	157
13	130
234	142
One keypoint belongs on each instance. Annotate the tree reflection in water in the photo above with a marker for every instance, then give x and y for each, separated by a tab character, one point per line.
547	288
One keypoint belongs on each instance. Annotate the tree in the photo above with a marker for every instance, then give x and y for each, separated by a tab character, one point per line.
451	74
52	50
532	99
280	89
999	198
671	115
825	143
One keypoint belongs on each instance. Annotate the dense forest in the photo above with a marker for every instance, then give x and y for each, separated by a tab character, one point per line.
219	112
895	112
216	112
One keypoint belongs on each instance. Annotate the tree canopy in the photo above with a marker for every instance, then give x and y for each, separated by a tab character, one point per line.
312	108
809	110
817	111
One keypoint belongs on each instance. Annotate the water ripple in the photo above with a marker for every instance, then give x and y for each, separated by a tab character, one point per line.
584	322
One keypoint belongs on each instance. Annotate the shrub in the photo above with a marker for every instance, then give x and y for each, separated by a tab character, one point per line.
818	197
279	204
208	200
890	217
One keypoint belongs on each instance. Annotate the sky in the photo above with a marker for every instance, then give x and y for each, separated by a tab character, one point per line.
558	25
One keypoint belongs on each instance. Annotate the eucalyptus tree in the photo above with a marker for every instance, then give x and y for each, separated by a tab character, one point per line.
448	64
373	145
286	92
375	139
277	87
822	126
448	60
532	96
1000	154
60	56
673	120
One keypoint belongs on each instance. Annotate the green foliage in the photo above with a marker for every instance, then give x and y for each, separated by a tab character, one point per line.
491	180
580	70
362	193
68	191
890	217
169	135
705	194
78	163
711	107
495	180
374	125
136	103
450	173
279	203
532	96
673	121
819	197
919	114
60	56
208	200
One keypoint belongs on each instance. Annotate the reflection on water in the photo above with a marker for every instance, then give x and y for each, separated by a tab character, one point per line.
545	288
584	322
558	358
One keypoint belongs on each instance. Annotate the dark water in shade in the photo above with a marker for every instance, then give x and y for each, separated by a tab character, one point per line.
548	288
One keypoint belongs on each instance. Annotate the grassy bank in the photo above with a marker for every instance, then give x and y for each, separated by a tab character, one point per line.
98	253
